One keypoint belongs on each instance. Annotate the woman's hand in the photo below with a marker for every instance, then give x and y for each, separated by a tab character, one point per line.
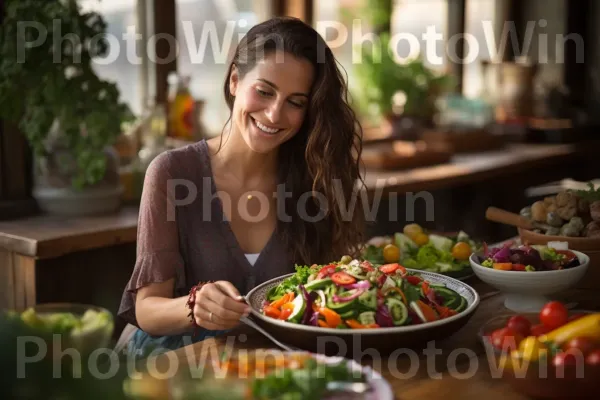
218	306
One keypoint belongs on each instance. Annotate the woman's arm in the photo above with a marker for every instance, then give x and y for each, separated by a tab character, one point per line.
160	315
218	307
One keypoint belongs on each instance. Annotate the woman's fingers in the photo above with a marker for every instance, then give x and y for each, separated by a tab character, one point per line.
214	293
205	319
216	309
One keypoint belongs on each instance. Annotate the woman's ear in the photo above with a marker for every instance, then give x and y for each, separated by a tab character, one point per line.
233	80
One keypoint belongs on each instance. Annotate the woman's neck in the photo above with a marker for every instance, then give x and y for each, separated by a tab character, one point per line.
234	158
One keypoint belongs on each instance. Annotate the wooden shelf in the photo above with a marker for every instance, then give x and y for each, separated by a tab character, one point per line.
51	236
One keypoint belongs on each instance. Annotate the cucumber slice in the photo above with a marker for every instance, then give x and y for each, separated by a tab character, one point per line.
463	305
348	315
299	306
344	306
451	298
317	284
398	311
368	299
366	318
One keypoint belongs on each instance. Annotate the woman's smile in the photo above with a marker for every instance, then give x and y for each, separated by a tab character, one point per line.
265	129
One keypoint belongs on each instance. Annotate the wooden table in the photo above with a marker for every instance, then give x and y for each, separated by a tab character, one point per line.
459	370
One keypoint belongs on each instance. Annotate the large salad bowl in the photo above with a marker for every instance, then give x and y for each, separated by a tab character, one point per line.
350	342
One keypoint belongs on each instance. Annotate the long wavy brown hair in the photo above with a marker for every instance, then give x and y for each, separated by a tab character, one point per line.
320	165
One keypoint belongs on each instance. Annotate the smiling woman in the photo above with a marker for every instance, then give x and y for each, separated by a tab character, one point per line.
287	154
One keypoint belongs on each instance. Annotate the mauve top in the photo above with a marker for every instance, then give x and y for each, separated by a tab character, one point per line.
183	233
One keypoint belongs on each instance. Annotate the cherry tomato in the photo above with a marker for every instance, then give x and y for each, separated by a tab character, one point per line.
326	271
420	239
505	339
518	267
391	253
564	358
554	315
539	330
461	251
519	324
582	344
593	358
413	280
389	268
342	278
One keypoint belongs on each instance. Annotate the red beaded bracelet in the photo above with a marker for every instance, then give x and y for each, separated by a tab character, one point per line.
192	301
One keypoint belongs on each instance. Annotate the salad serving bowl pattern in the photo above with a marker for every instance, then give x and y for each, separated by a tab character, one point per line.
527	291
345	342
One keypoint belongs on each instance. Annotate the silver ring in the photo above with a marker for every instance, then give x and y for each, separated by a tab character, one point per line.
210	316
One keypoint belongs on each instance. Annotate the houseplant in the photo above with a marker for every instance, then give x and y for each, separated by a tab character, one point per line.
69	115
382	77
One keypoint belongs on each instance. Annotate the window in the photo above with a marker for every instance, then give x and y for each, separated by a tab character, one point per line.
118	65
412	19
479	18
207	33
333	20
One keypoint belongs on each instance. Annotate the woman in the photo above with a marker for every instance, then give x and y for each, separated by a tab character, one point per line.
274	190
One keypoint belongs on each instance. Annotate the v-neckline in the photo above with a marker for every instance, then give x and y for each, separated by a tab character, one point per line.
224	221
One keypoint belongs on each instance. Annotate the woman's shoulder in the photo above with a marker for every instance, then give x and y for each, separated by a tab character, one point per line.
182	162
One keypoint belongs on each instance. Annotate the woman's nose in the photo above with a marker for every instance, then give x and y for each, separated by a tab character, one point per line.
273	112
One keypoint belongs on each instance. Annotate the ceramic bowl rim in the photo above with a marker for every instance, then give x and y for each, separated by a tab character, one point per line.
377	331
582	265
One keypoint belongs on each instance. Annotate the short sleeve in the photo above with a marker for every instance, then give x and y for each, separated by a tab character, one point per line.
158	257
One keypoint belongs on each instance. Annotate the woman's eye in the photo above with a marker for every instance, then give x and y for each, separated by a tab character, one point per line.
263	93
297	105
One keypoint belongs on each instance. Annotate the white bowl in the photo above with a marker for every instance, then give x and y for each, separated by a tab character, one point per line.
529	291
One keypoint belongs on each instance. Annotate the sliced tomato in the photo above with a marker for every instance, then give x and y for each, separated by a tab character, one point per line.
425	287
389	268
326	271
285	313
518	267
322	324
413	280
342	278
367	266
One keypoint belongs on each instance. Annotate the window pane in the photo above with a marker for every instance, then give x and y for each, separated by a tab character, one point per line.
479	18
413	18
207	32
116	66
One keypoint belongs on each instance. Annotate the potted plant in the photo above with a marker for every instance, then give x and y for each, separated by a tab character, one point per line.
395	91
70	116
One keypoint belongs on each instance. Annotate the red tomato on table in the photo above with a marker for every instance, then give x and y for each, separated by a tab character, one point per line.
505	339
593	358
539	330
554	315
519	324
583	344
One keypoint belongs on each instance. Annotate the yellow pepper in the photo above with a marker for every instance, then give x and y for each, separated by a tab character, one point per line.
532	349
588	326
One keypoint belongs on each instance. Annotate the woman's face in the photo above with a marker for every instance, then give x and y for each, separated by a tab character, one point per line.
271	100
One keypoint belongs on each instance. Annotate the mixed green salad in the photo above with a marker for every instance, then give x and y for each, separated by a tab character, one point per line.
355	294
416	249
